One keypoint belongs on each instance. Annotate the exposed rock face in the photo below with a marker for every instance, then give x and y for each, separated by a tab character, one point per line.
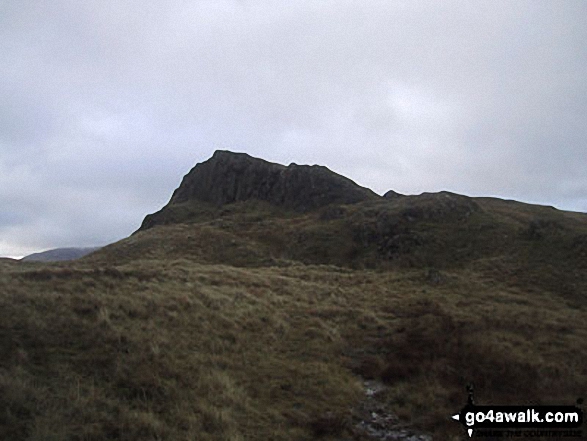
232	177
392	195
441	206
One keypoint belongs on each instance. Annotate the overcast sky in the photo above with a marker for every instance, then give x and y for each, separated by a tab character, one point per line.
106	104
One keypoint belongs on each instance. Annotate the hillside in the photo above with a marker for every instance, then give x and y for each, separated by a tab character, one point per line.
266	302
59	254
506	240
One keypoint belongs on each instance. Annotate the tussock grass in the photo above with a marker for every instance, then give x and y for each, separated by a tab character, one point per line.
250	323
172	349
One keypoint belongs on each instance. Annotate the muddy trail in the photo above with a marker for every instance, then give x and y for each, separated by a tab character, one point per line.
374	420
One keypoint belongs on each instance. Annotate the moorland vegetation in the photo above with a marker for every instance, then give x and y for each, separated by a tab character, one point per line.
256	303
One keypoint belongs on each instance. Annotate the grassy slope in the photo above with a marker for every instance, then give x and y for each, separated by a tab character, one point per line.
152	338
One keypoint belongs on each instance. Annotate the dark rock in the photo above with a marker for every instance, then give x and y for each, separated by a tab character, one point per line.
230	177
439	206
539	228
392	195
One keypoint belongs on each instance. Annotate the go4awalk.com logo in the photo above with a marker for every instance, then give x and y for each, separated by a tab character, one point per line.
521	421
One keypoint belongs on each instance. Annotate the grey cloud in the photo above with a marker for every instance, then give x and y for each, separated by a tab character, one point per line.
105	105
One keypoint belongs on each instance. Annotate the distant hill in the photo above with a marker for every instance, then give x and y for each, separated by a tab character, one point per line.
7	261
59	254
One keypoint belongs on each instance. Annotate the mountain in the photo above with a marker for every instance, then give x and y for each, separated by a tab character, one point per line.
248	212
267	301
59	254
229	177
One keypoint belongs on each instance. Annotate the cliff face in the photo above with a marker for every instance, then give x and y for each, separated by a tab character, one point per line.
311	215
232	177
229	177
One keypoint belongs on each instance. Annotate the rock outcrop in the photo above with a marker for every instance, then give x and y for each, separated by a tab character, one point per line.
232	177
229	177
392	195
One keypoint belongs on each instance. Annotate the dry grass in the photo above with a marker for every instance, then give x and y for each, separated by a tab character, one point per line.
216	330
176	350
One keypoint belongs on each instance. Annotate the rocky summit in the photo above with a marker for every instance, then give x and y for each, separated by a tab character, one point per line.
232	177
250	212
229	177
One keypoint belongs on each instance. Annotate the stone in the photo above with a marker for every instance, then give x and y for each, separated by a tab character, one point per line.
230	177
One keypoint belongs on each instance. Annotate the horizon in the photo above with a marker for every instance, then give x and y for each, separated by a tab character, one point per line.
106	104
21	256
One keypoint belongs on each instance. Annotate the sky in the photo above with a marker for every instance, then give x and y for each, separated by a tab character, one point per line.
106	104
